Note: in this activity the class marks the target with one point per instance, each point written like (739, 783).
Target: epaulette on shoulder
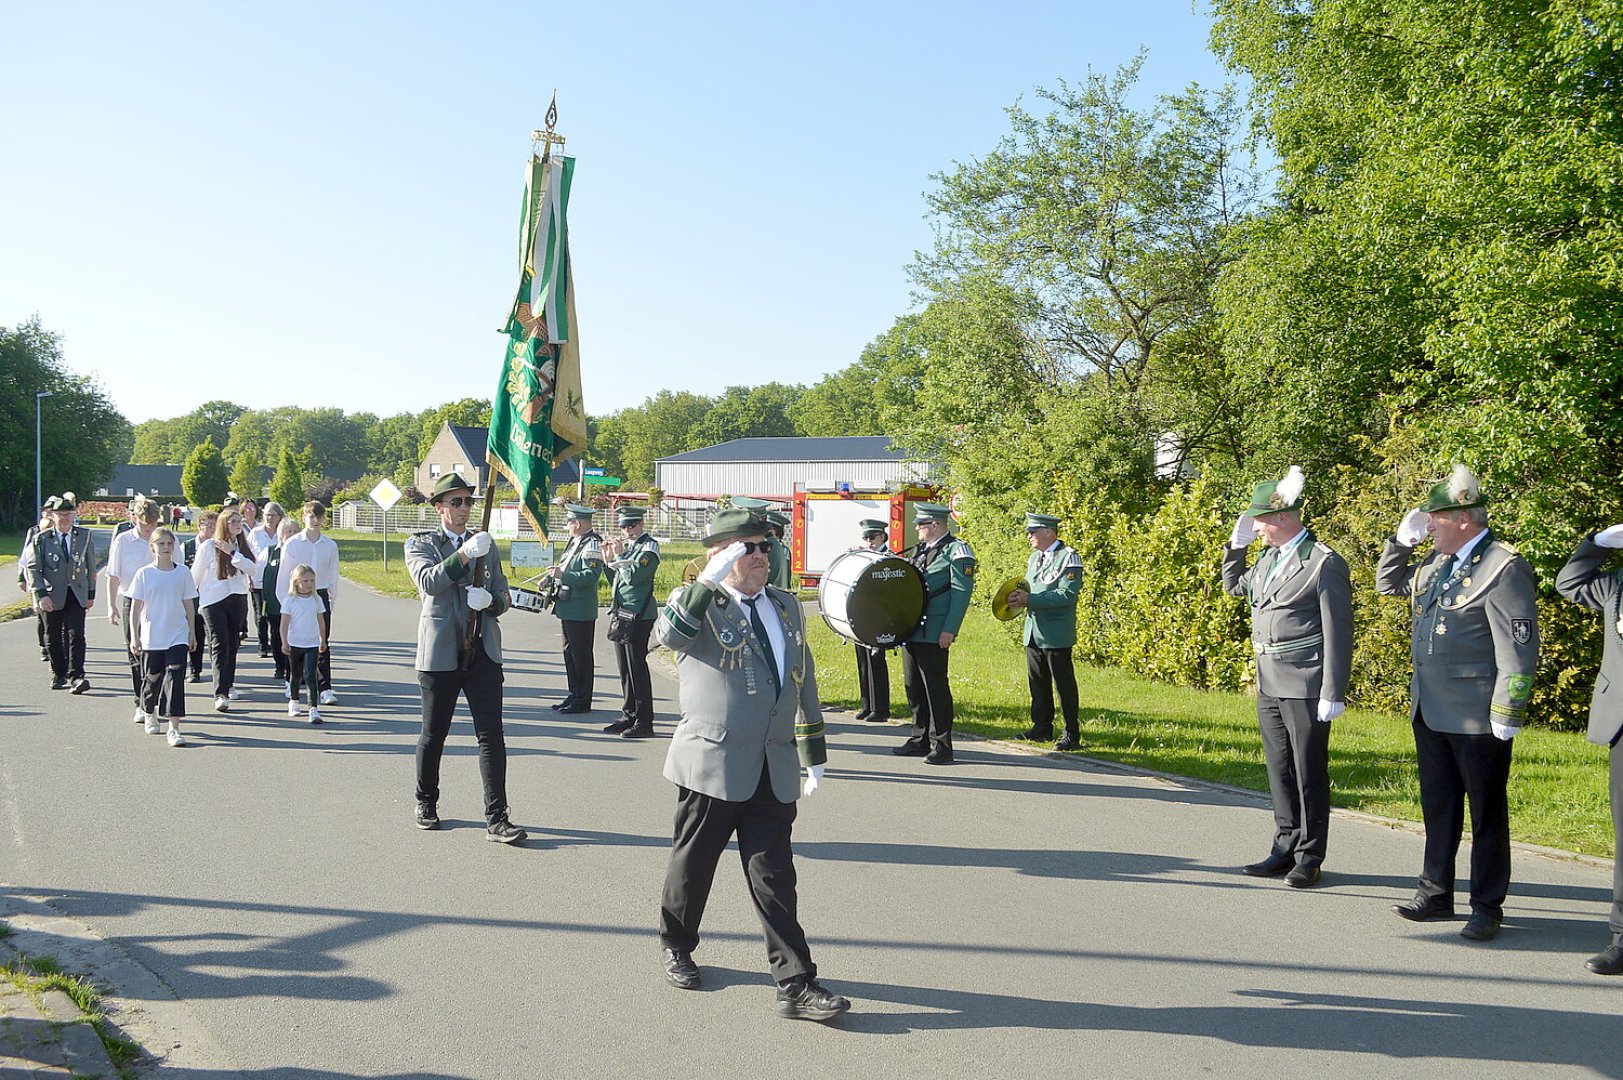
(425, 532)
(1509, 548)
(961, 550)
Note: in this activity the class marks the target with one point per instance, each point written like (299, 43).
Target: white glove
(814, 779)
(1245, 531)
(1413, 528)
(1329, 710)
(721, 562)
(478, 599)
(1610, 538)
(476, 545)
(1500, 731)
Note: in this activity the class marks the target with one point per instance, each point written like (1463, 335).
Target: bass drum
(871, 597)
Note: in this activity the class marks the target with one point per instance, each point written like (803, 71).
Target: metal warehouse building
(776, 468)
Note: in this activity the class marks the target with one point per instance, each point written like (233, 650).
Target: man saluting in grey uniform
(749, 700)
(1301, 632)
(1474, 647)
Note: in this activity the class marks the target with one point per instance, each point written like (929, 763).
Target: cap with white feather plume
(1280, 495)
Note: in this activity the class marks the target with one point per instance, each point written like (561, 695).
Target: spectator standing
(221, 571)
(162, 631)
(129, 551)
(320, 553)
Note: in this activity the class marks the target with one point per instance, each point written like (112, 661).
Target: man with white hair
(1474, 646)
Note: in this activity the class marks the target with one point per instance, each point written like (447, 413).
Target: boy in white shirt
(320, 553)
(160, 620)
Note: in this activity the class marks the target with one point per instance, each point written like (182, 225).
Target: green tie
(1444, 572)
(766, 642)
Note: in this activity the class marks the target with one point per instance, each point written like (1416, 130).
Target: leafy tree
(82, 436)
(865, 397)
(287, 484)
(747, 412)
(661, 426)
(248, 476)
(203, 480)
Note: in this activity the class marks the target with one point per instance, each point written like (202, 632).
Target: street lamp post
(39, 491)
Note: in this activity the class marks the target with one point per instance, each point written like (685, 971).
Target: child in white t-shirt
(163, 597)
(304, 637)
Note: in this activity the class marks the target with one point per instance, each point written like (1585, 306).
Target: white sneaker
(154, 725)
(232, 694)
(176, 738)
(315, 715)
(293, 708)
(221, 704)
(140, 716)
(329, 698)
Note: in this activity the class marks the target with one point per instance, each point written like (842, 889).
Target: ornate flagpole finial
(542, 140)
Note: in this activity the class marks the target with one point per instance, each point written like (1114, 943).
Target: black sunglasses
(456, 501)
(752, 546)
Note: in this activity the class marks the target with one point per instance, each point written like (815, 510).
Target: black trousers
(1046, 669)
(763, 826)
(1617, 837)
(579, 668)
(635, 686)
(163, 690)
(305, 669)
(929, 697)
(261, 623)
(1452, 769)
(65, 637)
(324, 661)
(1297, 749)
(39, 626)
(481, 685)
(873, 682)
(200, 632)
(138, 671)
(225, 619)
(273, 628)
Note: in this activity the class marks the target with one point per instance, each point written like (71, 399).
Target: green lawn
(1558, 789)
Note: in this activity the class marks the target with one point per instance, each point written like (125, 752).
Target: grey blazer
(1582, 582)
(732, 721)
(1474, 644)
(443, 579)
(50, 574)
(1301, 621)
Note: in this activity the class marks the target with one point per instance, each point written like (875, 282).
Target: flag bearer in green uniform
(948, 566)
(577, 571)
(1054, 580)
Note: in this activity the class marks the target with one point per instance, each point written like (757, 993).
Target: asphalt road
(1012, 915)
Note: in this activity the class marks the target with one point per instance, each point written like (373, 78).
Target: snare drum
(871, 597)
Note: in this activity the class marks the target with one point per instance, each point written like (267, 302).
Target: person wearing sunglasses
(750, 719)
(459, 651)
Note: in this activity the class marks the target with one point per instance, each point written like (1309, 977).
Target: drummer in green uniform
(873, 664)
(948, 567)
(1053, 582)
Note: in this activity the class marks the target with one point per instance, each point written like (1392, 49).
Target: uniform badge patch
(1521, 630)
(1519, 687)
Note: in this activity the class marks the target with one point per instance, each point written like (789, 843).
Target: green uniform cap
(1041, 521)
(578, 512)
(868, 525)
(448, 483)
(923, 512)
(729, 525)
(1279, 496)
(628, 514)
(745, 502)
(778, 518)
(1461, 491)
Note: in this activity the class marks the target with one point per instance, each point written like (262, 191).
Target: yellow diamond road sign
(385, 494)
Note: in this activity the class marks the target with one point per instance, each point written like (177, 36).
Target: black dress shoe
(1068, 741)
(1032, 734)
(804, 999)
(502, 831)
(877, 718)
(938, 756)
(618, 726)
(1424, 908)
(427, 817)
(1303, 877)
(680, 970)
(558, 705)
(1272, 866)
(1607, 961)
(574, 708)
(1480, 927)
(863, 715)
(638, 731)
(911, 749)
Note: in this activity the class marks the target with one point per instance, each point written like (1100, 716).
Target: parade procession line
(261, 899)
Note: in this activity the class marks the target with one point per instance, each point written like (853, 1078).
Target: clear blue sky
(315, 203)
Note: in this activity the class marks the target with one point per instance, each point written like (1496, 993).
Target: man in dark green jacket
(577, 572)
(948, 567)
(632, 563)
(1053, 582)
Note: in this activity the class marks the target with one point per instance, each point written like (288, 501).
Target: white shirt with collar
(773, 624)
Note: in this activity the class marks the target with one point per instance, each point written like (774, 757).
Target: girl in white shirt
(304, 636)
(221, 570)
(160, 624)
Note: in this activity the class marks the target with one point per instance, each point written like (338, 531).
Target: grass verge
(36, 975)
(1558, 783)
